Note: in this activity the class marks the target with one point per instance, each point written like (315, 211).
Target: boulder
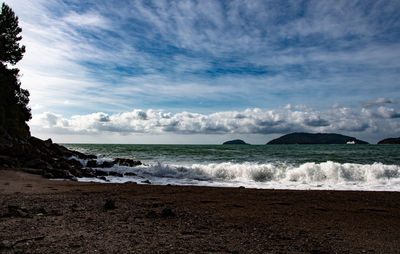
(106, 164)
(91, 164)
(75, 163)
(126, 162)
(130, 174)
(113, 173)
(100, 173)
(61, 173)
(87, 172)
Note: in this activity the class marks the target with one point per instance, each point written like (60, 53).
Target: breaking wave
(325, 175)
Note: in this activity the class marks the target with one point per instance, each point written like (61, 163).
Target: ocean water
(333, 167)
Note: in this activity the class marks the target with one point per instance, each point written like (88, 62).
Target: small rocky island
(390, 141)
(235, 142)
(315, 138)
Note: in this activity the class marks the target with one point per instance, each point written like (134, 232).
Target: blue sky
(207, 71)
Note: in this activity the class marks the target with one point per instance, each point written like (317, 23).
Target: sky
(203, 72)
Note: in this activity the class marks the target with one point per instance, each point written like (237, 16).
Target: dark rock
(130, 182)
(87, 156)
(75, 172)
(8, 161)
(242, 187)
(130, 174)
(390, 141)
(75, 163)
(48, 143)
(35, 171)
(127, 162)
(17, 211)
(51, 160)
(109, 205)
(103, 178)
(166, 212)
(235, 142)
(63, 174)
(94, 164)
(38, 163)
(106, 164)
(146, 181)
(48, 175)
(86, 172)
(41, 210)
(113, 173)
(91, 164)
(100, 173)
(317, 138)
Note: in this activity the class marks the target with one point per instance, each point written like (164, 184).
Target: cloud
(90, 19)
(249, 121)
(388, 112)
(379, 102)
(210, 56)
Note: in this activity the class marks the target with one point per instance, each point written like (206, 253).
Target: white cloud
(90, 19)
(249, 121)
(112, 57)
(388, 112)
(379, 102)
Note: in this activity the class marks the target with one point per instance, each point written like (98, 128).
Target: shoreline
(41, 215)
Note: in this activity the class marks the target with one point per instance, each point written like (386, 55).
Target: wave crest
(328, 175)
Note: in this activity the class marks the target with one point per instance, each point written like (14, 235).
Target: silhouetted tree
(14, 110)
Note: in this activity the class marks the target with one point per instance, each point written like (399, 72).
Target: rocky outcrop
(42, 157)
(235, 142)
(51, 160)
(390, 141)
(126, 162)
(317, 138)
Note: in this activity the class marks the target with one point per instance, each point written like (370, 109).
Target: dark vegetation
(14, 110)
(317, 138)
(390, 141)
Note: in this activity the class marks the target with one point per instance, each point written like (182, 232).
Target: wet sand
(48, 216)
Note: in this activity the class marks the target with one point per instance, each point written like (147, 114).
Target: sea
(300, 167)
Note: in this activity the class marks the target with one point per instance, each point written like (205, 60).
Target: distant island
(235, 142)
(392, 141)
(317, 138)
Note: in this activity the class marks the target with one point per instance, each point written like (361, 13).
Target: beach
(38, 215)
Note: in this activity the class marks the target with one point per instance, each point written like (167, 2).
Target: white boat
(351, 142)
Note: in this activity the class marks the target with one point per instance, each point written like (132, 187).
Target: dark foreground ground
(43, 216)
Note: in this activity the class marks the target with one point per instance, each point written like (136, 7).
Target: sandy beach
(50, 216)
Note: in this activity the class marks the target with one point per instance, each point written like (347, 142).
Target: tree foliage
(14, 110)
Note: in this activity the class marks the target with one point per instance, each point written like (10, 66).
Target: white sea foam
(326, 175)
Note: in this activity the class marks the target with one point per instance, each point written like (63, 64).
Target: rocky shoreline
(43, 157)
(42, 216)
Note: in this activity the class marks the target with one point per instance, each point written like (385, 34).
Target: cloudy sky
(207, 71)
